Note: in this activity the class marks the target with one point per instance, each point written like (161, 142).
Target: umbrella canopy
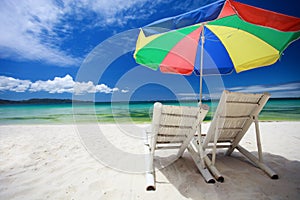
(216, 39)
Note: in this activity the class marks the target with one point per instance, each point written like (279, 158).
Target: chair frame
(215, 132)
(170, 125)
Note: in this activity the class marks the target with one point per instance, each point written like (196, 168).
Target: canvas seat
(232, 119)
(173, 127)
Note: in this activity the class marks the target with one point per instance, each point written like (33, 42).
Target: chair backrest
(234, 115)
(175, 124)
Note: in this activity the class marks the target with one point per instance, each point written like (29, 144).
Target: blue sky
(47, 47)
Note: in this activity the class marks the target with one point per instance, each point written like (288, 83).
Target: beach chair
(173, 127)
(233, 117)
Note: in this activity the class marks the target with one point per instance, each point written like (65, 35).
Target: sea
(124, 112)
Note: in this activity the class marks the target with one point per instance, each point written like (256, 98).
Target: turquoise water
(275, 110)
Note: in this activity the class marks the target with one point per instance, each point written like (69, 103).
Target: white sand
(50, 162)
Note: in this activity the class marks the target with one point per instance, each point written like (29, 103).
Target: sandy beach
(51, 162)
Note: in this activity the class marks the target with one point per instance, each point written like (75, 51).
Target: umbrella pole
(200, 150)
(201, 66)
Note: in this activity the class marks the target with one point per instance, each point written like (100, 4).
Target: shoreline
(120, 122)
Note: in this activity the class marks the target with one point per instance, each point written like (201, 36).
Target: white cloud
(57, 85)
(12, 84)
(89, 87)
(276, 91)
(36, 29)
(30, 32)
(124, 91)
(117, 12)
(280, 90)
(103, 88)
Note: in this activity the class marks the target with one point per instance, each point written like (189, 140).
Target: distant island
(42, 101)
(68, 101)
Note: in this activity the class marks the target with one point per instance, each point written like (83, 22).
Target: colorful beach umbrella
(216, 39)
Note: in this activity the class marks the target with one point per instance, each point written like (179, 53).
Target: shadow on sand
(242, 179)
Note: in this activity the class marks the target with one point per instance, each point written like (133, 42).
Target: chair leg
(258, 141)
(213, 169)
(149, 164)
(216, 135)
(150, 172)
(198, 161)
(256, 161)
(199, 144)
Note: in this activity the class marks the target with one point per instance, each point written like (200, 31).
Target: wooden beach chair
(233, 117)
(173, 127)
